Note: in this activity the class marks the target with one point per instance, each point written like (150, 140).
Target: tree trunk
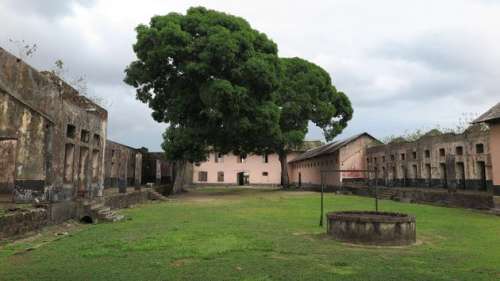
(180, 176)
(284, 169)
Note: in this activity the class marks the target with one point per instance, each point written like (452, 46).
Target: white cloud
(404, 64)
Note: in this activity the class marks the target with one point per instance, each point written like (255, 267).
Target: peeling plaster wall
(123, 165)
(35, 110)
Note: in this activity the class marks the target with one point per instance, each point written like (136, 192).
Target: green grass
(241, 234)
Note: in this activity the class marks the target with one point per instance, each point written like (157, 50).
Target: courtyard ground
(255, 234)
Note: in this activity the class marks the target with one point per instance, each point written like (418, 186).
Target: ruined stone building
(156, 168)
(445, 160)
(52, 139)
(337, 162)
(123, 166)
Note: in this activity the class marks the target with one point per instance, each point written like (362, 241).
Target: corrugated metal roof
(490, 115)
(328, 148)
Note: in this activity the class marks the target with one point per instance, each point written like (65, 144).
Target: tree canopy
(211, 77)
(220, 84)
(306, 94)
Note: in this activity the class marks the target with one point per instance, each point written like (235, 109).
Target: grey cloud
(49, 9)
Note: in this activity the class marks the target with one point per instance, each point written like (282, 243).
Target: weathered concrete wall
(123, 165)
(37, 109)
(20, 222)
(448, 160)
(156, 169)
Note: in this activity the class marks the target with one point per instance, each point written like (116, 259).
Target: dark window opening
(266, 158)
(427, 154)
(242, 158)
(85, 136)
(414, 154)
(403, 156)
(392, 157)
(383, 158)
(459, 150)
(97, 140)
(479, 148)
(265, 174)
(442, 152)
(71, 131)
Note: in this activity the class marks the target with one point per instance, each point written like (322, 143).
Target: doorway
(300, 180)
(444, 175)
(461, 175)
(243, 178)
(82, 171)
(481, 166)
(7, 164)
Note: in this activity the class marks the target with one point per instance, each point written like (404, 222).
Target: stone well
(374, 228)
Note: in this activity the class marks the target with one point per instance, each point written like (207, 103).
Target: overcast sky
(405, 65)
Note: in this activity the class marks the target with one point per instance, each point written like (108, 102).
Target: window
(442, 152)
(97, 140)
(220, 176)
(202, 176)
(427, 154)
(242, 158)
(403, 156)
(265, 174)
(392, 157)
(368, 160)
(266, 158)
(459, 150)
(383, 159)
(85, 136)
(414, 154)
(197, 164)
(218, 157)
(479, 148)
(71, 131)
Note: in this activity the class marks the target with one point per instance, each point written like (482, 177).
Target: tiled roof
(490, 115)
(328, 148)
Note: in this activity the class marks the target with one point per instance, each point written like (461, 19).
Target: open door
(7, 165)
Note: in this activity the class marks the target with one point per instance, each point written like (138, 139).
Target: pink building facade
(303, 167)
(347, 155)
(231, 169)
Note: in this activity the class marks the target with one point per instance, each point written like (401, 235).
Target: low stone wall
(375, 228)
(20, 222)
(125, 200)
(441, 197)
(23, 221)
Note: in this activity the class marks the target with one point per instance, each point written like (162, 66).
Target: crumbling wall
(450, 160)
(37, 108)
(123, 165)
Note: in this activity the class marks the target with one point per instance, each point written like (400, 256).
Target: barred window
(202, 176)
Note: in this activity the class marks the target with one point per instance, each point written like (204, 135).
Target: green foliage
(219, 83)
(211, 77)
(243, 234)
(307, 95)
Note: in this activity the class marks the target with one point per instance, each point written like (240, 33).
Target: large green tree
(212, 78)
(306, 95)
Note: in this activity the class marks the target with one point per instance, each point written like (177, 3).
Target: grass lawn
(244, 234)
